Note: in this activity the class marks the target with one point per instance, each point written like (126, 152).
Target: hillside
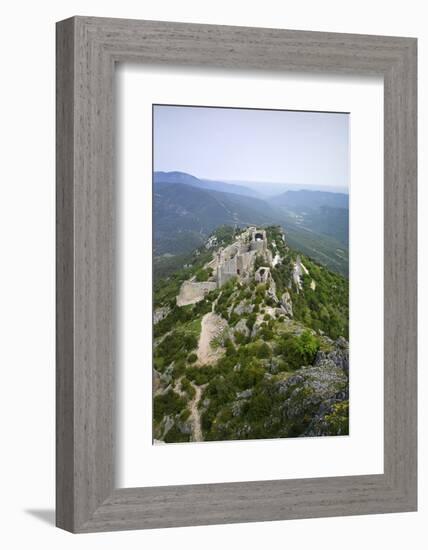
(186, 215)
(213, 185)
(321, 213)
(250, 341)
(302, 199)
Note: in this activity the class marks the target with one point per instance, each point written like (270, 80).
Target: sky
(305, 148)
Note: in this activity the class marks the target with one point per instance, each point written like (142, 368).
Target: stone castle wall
(226, 271)
(236, 260)
(246, 261)
(192, 292)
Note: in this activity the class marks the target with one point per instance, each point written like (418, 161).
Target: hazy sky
(253, 145)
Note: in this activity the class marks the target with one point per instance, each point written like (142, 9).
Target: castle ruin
(236, 260)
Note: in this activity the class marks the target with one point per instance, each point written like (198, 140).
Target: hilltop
(250, 341)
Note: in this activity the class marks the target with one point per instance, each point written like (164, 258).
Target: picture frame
(87, 50)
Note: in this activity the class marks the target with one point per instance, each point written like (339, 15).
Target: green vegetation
(175, 346)
(174, 435)
(203, 275)
(169, 403)
(316, 223)
(297, 350)
(324, 309)
(187, 387)
(266, 381)
(337, 420)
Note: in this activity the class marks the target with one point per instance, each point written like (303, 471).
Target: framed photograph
(237, 319)
(236, 274)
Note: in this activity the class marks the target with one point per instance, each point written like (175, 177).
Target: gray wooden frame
(87, 50)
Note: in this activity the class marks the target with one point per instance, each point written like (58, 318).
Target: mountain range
(187, 209)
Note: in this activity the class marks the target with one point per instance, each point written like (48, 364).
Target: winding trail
(212, 326)
(196, 416)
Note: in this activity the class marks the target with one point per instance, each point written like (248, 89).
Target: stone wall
(262, 275)
(236, 260)
(226, 271)
(258, 245)
(246, 262)
(192, 292)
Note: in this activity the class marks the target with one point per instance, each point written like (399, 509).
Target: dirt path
(195, 415)
(211, 327)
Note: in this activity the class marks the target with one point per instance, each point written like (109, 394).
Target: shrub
(251, 320)
(179, 368)
(176, 346)
(184, 415)
(203, 275)
(230, 348)
(240, 337)
(175, 436)
(337, 421)
(188, 388)
(266, 332)
(200, 375)
(233, 319)
(263, 351)
(169, 403)
(298, 350)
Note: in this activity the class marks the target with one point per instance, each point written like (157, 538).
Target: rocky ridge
(260, 352)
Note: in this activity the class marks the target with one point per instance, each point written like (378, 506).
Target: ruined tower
(258, 240)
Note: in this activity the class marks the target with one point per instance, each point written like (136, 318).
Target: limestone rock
(287, 304)
(160, 313)
(244, 394)
(311, 388)
(184, 427)
(339, 356)
(243, 308)
(241, 326)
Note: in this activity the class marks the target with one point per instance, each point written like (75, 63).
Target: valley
(187, 210)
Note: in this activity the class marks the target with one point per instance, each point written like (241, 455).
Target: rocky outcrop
(312, 391)
(243, 308)
(242, 328)
(298, 271)
(160, 313)
(287, 304)
(244, 394)
(338, 357)
(331, 419)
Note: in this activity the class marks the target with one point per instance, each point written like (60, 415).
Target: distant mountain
(162, 178)
(311, 199)
(272, 189)
(185, 215)
(175, 177)
(186, 212)
(318, 212)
